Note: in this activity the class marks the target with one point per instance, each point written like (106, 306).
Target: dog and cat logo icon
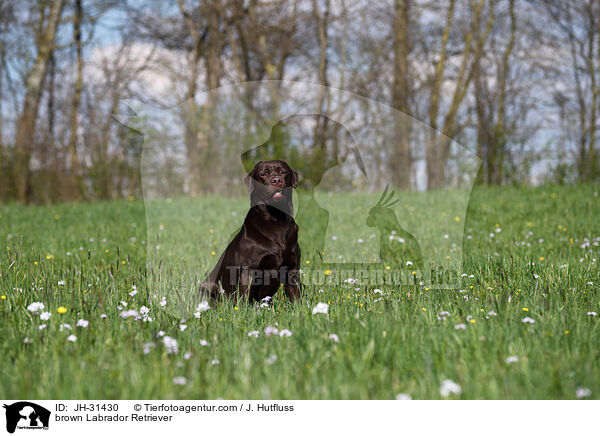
(26, 415)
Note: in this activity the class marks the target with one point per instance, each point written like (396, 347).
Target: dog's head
(271, 182)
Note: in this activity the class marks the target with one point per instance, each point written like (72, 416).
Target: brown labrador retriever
(265, 253)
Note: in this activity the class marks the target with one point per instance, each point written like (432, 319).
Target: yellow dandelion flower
(62, 309)
(542, 259)
(327, 272)
(3, 297)
(525, 309)
(307, 262)
(472, 321)
(235, 308)
(387, 267)
(424, 309)
(457, 218)
(566, 332)
(212, 253)
(56, 217)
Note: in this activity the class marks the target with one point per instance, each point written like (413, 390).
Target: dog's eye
(283, 173)
(264, 173)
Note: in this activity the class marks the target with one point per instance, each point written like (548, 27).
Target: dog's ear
(294, 178)
(249, 181)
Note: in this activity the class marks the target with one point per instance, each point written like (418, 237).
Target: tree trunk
(401, 160)
(74, 118)
(26, 124)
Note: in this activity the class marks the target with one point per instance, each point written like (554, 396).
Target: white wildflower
(83, 323)
(35, 307)
(582, 393)
(171, 345)
(321, 308)
(179, 380)
(449, 387)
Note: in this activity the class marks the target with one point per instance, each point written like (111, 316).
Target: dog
(265, 252)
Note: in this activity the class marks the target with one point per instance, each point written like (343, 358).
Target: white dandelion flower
(254, 333)
(215, 362)
(271, 359)
(204, 343)
(71, 338)
(512, 359)
(335, 338)
(35, 307)
(187, 355)
(582, 393)
(460, 327)
(171, 345)
(182, 327)
(403, 397)
(83, 323)
(285, 333)
(528, 320)
(321, 308)
(179, 380)
(130, 314)
(203, 306)
(42, 326)
(449, 387)
(65, 327)
(45, 316)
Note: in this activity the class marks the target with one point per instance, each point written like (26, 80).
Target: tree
(26, 124)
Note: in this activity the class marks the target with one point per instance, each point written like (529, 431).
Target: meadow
(523, 324)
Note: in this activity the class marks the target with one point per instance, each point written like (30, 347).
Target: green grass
(386, 347)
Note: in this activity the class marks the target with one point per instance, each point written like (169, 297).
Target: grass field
(522, 325)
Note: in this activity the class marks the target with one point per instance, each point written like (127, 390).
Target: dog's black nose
(277, 181)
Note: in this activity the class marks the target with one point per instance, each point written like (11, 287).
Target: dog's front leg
(292, 283)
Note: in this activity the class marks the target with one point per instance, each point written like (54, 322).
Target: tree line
(515, 81)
